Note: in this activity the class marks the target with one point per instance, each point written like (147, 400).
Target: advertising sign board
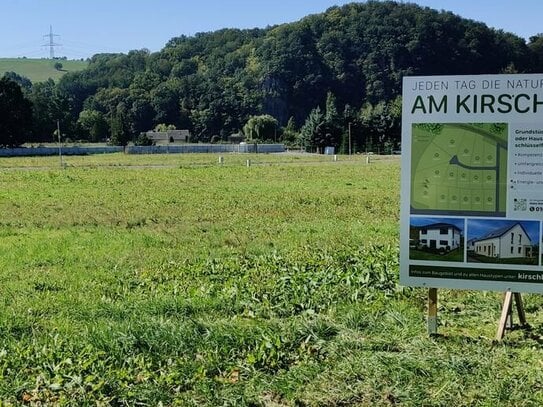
(472, 182)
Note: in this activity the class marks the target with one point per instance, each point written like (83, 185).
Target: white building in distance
(169, 136)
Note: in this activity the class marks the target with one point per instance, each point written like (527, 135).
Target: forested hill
(348, 61)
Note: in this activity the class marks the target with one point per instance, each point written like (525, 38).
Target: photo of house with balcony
(514, 242)
(436, 239)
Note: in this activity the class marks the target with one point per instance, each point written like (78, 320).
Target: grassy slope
(39, 70)
(215, 285)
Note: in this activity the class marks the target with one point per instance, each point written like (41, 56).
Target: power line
(52, 43)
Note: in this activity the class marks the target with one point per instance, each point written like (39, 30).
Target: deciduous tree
(15, 114)
(260, 128)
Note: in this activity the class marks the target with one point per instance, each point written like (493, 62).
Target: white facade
(512, 243)
(443, 236)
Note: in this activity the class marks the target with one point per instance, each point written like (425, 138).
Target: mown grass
(199, 284)
(454, 255)
(180, 160)
(514, 260)
(39, 70)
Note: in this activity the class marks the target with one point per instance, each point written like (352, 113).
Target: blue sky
(480, 227)
(423, 221)
(93, 26)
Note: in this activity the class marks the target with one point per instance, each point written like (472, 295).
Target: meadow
(39, 70)
(173, 280)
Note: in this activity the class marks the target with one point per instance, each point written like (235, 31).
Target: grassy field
(39, 70)
(534, 261)
(172, 280)
(454, 255)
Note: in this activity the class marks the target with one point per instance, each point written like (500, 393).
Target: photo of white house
(440, 236)
(436, 238)
(503, 241)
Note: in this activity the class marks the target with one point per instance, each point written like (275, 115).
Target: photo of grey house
(470, 245)
(501, 241)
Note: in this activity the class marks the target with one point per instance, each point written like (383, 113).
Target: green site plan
(459, 168)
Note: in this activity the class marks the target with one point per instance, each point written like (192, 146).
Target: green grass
(514, 260)
(39, 70)
(454, 255)
(203, 285)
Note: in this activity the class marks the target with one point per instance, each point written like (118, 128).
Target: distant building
(236, 138)
(505, 243)
(169, 137)
(440, 236)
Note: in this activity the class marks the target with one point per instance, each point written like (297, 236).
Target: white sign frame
(472, 164)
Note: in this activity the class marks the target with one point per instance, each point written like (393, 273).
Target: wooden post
(60, 145)
(506, 318)
(350, 143)
(506, 310)
(432, 311)
(520, 309)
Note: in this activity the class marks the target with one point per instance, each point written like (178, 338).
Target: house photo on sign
(472, 182)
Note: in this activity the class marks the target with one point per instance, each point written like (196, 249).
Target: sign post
(506, 318)
(432, 311)
(472, 186)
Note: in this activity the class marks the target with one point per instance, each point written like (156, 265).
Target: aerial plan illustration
(459, 168)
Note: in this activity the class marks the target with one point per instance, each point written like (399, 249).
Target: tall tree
(49, 105)
(15, 114)
(260, 128)
(22, 81)
(93, 122)
(290, 134)
(332, 121)
(120, 132)
(312, 132)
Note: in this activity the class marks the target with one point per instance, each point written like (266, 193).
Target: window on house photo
(423, 232)
(519, 250)
(519, 238)
(443, 231)
(443, 242)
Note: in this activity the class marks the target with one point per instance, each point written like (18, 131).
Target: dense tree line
(311, 81)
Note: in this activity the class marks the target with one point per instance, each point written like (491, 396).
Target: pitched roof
(502, 231)
(439, 226)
